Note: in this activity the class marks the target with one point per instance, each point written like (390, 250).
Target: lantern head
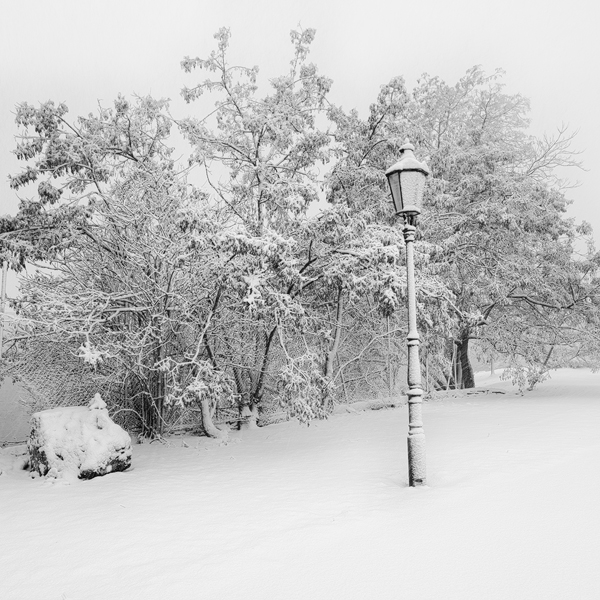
(407, 181)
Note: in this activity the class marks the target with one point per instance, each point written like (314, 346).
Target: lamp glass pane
(394, 181)
(413, 184)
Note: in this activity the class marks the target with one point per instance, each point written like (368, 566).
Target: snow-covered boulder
(78, 441)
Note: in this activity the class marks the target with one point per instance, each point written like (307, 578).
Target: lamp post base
(416, 460)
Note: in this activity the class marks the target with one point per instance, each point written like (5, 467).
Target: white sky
(79, 51)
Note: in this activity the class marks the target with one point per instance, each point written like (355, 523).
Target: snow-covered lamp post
(407, 182)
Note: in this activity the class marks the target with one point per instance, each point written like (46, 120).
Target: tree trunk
(466, 377)
(152, 404)
(208, 425)
(452, 377)
(342, 379)
(331, 355)
(249, 417)
(458, 379)
(160, 404)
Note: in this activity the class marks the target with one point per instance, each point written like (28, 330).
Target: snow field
(289, 512)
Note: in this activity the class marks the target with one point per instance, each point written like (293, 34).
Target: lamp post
(407, 182)
(3, 303)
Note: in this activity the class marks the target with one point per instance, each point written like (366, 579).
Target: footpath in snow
(289, 512)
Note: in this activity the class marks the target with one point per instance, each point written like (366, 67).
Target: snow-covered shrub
(526, 377)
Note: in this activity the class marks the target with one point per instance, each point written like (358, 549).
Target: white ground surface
(512, 510)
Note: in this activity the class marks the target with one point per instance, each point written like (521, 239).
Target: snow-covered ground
(512, 510)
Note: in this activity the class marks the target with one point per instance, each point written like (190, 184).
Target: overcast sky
(79, 52)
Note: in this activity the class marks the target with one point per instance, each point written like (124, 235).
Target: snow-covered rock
(78, 441)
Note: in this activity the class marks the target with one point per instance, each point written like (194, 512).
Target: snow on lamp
(407, 181)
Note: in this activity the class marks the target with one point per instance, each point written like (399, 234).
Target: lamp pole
(416, 433)
(3, 303)
(407, 181)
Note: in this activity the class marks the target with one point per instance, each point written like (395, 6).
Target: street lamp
(407, 182)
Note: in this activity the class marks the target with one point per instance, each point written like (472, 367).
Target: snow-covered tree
(122, 283)
(494, 211)
(231, 291)
(269, 147)
(494, 217)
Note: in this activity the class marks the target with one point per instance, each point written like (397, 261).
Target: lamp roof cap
(408, 161)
